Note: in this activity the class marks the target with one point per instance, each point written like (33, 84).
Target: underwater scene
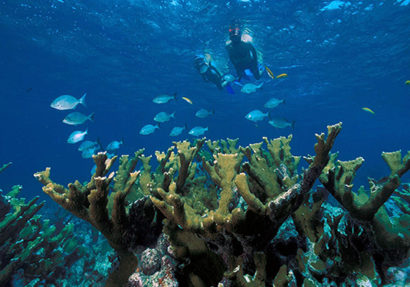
(204, 143)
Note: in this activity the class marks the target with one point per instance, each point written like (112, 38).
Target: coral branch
(90, 202)
(339, 178)
(186, 155)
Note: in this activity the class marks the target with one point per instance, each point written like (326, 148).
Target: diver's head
(235, 33)
(200, 64)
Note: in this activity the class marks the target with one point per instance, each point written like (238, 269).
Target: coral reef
(365, 240)
(156, 267)
(31, 244)
(233, 236)
(107, 212)
(244, 216)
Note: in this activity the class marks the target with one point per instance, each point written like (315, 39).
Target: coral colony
(210, 213)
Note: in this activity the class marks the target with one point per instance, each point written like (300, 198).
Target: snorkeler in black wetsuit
(242, 54)
(208, 72)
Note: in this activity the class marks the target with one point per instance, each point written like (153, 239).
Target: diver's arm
(239, 73)
(254, 54)
(237, 66)
(214, 76)
(235, 62)
(254, 65)
(212, 67)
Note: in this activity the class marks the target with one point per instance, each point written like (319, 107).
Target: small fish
(273, 103)
(368, 110)
(197, 131)
(87, 145)
(187, 100)
(269, 72)
(114, 145)
(228, 78)
(407, 82)
(88, 153)
(162, 99)
(163, 117)
(148, 129)
(281, 76)
(250, 88)
(256, 116)
(203, 113)
(77, 118)
(76, 136)
(226, 81)
(281, 123)
(67, 102)
(176, 131)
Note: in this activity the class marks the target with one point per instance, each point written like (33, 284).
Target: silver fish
(67, 102)
(250, 88)
(281, 123)
(163, 117)
(273, 103)
(114, 145)
(88, 153)
(197, 131)
(87, 145)
(76, 136)
(202, 113)
(162, 99)
(256, 115)
(228, 78)
(77, 118)
(148, 129)
(176, 131)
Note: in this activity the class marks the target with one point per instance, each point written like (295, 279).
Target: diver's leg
(255, 71)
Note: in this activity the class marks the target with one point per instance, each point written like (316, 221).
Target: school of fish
(88, 148)
(257, 115)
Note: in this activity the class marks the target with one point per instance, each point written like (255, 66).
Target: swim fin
(230, 89)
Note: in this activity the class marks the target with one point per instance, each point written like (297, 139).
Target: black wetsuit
(211, 74)
(243, 56)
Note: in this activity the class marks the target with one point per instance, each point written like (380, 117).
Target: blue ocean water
(339, 57)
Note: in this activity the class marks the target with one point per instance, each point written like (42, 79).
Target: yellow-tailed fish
(407, 82)
(281, 76)
(187, 100)
(368, 110)
(269, 72)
